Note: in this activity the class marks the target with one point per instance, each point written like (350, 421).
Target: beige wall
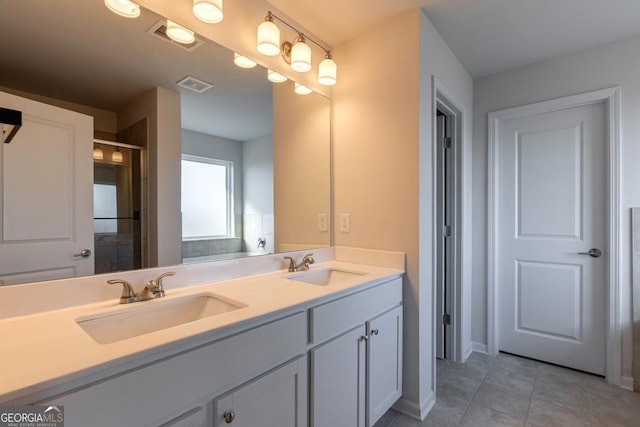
(301, 165)
(103, 120)
(383, 170)
(375, 144)
(161, 108)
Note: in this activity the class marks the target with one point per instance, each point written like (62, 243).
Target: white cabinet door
(338, 381)
(46, 188)
(384, 363)
(277, 399)
(193, 418)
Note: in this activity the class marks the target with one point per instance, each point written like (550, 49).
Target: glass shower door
(117, 209)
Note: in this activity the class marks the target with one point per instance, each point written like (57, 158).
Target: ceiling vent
(193, 84)
(159, 29)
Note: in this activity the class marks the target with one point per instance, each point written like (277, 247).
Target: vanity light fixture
(302, 90)
(125, 8)
(179, 33)
(275, 77)
(268, 37)
(243, 61)
(209, 11)
(98, 154)
(301, 55)
(116, 156)
(296, 54)
(327, 71)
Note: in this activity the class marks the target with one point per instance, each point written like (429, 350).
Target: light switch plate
(345, 222)
(323, 222)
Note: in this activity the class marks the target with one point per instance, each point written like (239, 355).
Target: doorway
(448, 229)
(118, 207)
(546, 168)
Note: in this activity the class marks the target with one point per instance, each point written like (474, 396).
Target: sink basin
(150, 316)
(325, 277)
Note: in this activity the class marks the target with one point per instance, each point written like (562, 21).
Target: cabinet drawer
(338, 316)
(149, 394)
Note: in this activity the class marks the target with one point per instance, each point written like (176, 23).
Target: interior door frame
(611, 98)
(444, 101)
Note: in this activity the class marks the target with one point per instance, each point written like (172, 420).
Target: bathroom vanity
(321, 347)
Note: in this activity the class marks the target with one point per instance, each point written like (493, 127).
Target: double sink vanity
(241, 342)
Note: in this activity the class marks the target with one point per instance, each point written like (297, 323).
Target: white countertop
(48, 353)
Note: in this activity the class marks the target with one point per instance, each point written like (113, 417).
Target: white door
(278, 399)
(384, 363)
(551, 207)
(47, 194)
(338, 381)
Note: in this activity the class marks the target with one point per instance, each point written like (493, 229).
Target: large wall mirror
(169, 152)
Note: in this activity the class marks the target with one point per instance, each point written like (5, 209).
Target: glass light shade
(116, 156)
(209, 11)
(327, 72)
(179, 33)
(98, 154)
(268, 39)
(243, 61)
(302, 90)
(125, 8)
(275, 77)
(301, 57)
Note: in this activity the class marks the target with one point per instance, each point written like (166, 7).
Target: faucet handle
(128, 294)
(155, 286)
(307, 260)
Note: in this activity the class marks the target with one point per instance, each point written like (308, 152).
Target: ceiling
(78, 51)
(487, 36)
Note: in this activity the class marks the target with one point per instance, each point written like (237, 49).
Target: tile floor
(511, 391)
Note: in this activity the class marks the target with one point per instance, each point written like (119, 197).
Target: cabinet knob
(374, 332)
(364, 338)
(229, 416)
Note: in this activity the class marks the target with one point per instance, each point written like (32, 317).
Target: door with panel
(277, 399)
(552, 236)
(46, 207)
(338, 381)
(384, 363)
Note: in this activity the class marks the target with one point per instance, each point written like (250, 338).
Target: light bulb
(275, 77)
(116, 156)
(327, 72)
(302, 90)
(209, 11)
(301, 56)
(98, 154)
(243, 61)
(179, 33)
(268, 42)
(125, 8)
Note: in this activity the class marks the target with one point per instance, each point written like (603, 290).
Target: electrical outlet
(345, 222)
(323, 222)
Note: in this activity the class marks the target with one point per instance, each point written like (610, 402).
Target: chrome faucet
(304, 264)
(153, 289)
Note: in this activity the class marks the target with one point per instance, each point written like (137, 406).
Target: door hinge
(446, 319)
(446, 231)
(446, 142)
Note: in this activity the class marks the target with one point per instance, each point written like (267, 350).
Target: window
(105, 208)
(207, 198)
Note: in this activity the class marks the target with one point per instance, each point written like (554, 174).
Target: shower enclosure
(118, 207)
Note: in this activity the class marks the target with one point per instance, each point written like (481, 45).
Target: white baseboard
(626, 382)
(413, 410)
(479, 347)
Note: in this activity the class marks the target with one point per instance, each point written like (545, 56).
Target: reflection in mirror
(124, 75)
